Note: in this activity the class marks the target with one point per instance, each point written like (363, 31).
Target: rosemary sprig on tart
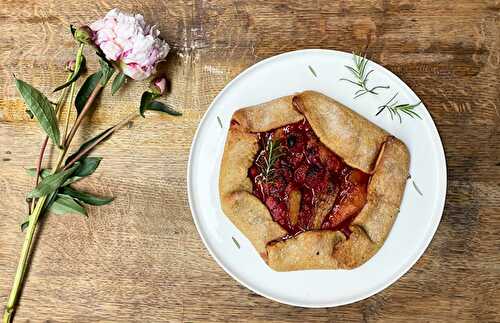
(267, 158)
(395, 109)
(361, 76)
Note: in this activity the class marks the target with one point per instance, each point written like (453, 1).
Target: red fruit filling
(304, 185)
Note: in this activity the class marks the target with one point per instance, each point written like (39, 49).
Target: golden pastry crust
(345, 132)
(360, 143)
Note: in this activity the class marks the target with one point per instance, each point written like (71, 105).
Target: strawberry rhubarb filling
(304, 185)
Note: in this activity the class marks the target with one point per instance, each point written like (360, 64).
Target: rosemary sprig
(395, 109)
(312, 71)
(236, 243)
(417, 189)
(361, 76)
(267, 158)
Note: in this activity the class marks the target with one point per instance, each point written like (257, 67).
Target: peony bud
(70, 65)
(158, 85)
(83, 34)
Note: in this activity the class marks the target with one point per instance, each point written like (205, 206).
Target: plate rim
(430, 235)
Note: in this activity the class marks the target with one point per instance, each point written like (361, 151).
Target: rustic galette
(312, 184)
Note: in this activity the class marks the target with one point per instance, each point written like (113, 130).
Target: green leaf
(52, 182)
(64, 204)
(43, 172)
(148, 103)
(86, 90)
(107, 71)
(118, 82)
(146, 98)
(71, 180)
(88, 165)
(87, 197)
(80, 64)
(40, 106)
(89, 142)
(160, 106)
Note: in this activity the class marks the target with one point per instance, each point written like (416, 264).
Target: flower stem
(23, 262)
(25, 251)
(68, 113)
(103, 137)
(33, 221)
(82, 114)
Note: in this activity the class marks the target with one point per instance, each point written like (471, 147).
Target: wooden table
(141, 259)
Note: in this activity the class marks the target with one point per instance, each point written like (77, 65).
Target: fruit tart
(311, 183)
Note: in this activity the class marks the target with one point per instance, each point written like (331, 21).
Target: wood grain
(140, 258)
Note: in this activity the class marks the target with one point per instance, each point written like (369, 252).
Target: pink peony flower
(127, 40)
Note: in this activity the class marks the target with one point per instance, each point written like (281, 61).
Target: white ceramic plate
(415, 225)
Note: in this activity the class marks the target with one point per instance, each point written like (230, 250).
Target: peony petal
(105, 34)
(113, 13)
(135, 72)
(112, 50)
(97, 25)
